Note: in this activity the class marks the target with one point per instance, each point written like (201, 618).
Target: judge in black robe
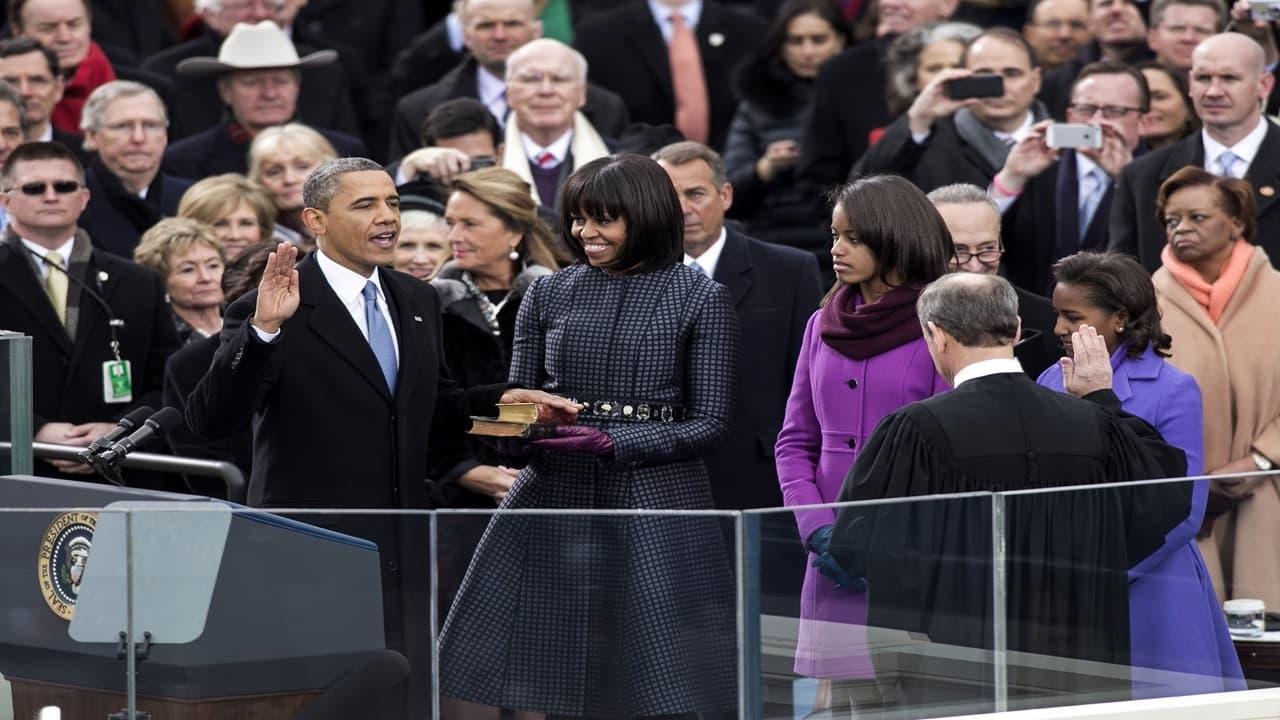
(927, 565)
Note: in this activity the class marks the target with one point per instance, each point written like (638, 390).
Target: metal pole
(20, 409)
(1000, 611)
(750, 673)
(131, 658)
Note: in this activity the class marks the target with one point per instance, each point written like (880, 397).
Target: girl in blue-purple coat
(1175, 623)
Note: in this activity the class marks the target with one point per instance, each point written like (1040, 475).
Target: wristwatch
(1262, 461)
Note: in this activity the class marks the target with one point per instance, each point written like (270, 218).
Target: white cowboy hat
(255, 47)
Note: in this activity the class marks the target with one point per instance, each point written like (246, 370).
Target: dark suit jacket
(1038, 348)
(325, 100)
(943, 158)
(112, 227)
(774, 290)
(214, 151)
(74, 143)
(605, 110)
(327, 433)
(67, 372)
(181, 375)
(1134, 228)
(643, 79)
(137, 26)
(1042, 225)
(848, 104)
(426, 60)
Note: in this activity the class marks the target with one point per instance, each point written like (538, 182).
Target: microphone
(127, 423)
(162, 422)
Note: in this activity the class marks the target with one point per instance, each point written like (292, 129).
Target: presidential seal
(64, 552)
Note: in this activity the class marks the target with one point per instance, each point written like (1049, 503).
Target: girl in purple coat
(1175, 623)
(863, 356)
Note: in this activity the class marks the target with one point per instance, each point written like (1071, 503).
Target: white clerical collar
(1246, 149)
(690, 11)
(346, 283)
(559, 148)
(709, 259)
(983, 368)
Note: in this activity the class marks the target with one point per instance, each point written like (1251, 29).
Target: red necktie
(545, 160)
(692, 111)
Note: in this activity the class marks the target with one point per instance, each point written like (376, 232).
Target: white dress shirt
(983, 368)
(690, 11)
(709, 259)
(1245, 150)
(493, 93)
(348, 285)
(559, 148)
(40, 251)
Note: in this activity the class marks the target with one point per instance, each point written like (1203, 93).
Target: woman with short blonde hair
(188, 254)
(280, 158)
(239, 210)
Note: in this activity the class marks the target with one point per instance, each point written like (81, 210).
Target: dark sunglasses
(62, 187)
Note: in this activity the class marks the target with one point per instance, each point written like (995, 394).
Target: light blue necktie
(1227, 163)
(384, 347)
(694, 266)
(1089, 203)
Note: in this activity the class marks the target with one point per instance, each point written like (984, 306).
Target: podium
(249, 615)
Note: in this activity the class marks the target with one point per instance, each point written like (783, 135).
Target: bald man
(1229, 85)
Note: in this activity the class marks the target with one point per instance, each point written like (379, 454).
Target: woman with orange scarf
(1220, 295)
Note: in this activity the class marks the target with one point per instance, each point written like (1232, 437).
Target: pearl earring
(1120, 330)
(513, 255)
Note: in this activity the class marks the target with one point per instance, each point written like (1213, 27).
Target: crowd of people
(741, 254)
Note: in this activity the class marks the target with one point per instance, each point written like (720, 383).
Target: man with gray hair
(546, 137)
(974, 222)
(1067, 554)
(338, 367)
(125, 126)
(491, 31)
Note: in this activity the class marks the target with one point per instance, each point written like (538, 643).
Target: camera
(1069, 135)
(976, 86)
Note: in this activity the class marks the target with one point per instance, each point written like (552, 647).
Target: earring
(166, 299)
(513, 255)
(1120, 330)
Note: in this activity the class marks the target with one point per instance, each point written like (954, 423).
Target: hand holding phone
(1061, 136)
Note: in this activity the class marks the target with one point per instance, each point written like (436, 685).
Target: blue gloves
(819, 544)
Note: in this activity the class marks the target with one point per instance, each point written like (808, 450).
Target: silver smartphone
(1070, 135)
(1266, 10)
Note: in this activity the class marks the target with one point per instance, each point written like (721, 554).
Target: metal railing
(227, 472)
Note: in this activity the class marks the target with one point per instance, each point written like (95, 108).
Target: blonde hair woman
(280, 159)
(239, 210)
(191, 259)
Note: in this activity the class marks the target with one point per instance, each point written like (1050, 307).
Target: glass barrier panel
(895, 619)
(587, 613)
(1115, 592)
(61, 602)
(15, 404)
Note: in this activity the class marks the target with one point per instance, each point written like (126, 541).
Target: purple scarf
(860, 330)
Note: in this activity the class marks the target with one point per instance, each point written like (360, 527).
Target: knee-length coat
(835, 404)
(610, 616)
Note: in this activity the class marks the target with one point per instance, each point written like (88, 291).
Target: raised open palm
(278, 291)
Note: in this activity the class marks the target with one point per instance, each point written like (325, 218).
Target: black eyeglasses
(62, 187)
(1110, 112)
(986, 257)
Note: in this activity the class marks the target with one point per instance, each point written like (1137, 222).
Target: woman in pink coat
(863, 356)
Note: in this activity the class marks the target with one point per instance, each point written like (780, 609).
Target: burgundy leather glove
(577, 439)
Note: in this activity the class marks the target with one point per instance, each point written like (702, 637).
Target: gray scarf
(983, 140)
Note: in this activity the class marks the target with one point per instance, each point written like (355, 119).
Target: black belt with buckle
(629, 411)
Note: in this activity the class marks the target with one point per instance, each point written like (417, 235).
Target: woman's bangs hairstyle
(638, 191)
(900, 227)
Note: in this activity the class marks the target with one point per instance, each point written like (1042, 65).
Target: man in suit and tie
(337, 364)
(680, 56)
(492, 31)
(1229, 84)
(64, 293)
(1056, 203)
(774, 290)
(939, 140)
(1119, 34)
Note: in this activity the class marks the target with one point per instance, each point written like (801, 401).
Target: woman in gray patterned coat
(610, 616)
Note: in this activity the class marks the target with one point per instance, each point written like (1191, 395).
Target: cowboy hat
(255, 47)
